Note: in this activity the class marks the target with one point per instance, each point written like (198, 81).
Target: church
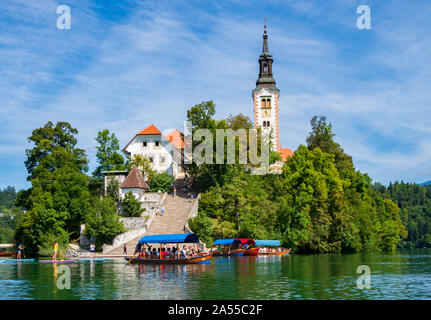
(265, 98)
(161, 150)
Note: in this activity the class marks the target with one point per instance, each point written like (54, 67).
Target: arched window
(263, 103)
(268, 103)
(268, 124)
(265, 67)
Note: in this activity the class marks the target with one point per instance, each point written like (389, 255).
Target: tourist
(92, 249)
(154, 253)
(20, 251)
(148, 252)
(158, 252)
(184, 252)
(124, 249)
(175, 192)
(54, 256)
(163, 211)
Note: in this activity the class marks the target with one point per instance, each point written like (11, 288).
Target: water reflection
(403, 275)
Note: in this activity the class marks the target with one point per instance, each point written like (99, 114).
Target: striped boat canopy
(170, 238)
(227, 241)
(268, 243)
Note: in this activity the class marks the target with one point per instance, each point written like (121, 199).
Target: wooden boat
(249, 244)
(234, 248)
(227, 248)
(5, 250)
(273, 244)
(199, 258)
(6, 254)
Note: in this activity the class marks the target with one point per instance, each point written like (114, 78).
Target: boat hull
(231, 253)
(6, 254)
(280, 253)
(202, 259)
(251, 252)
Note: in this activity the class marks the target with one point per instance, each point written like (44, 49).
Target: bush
(160, 181)
(102, 222)
(131, 206)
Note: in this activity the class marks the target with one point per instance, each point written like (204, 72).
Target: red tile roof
(176, 138)
(285, 154)
(151, 129)
(134, 180)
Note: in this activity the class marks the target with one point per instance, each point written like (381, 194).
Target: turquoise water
(402, 275)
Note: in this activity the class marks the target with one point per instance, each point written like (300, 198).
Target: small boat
(250, 249)
(93, 259)
(227, 248)
(273, 251)
(200, 258)
(19, 260)
(56, 261)
(5, 250)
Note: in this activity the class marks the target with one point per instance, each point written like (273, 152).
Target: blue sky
(126, 64)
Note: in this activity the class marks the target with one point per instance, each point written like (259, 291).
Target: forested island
(318, 203)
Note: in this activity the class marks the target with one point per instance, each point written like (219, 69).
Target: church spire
(265, 65)
(265, 41)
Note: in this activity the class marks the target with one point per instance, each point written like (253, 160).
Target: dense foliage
(131, 206)
(414, 202)
(319, 203)
(102, 221)
(160, 181)
(9, 215)
(59, 198)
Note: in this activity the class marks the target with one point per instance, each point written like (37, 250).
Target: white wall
(164, 150)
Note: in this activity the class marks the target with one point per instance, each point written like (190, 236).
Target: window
(151, 159)
(265, 67)
(162, 159)
(144, 143)
(268, 103)
(157, 143)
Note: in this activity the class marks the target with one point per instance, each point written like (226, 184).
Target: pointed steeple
(266, 78)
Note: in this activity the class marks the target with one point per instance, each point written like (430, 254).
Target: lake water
(405, 274)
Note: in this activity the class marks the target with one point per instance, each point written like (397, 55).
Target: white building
(165, 152)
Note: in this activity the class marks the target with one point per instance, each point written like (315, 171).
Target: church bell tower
(265, 97)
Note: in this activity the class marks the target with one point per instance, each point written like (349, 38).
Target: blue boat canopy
(267, 243)
(227, 241)
(170, 238)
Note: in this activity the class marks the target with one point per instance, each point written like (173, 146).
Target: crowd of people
(165, 252)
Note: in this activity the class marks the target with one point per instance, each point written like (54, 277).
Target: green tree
(58, 198)
(131, 206)
(143, 164)
(108, 158)
(160, 181)
(102, 221)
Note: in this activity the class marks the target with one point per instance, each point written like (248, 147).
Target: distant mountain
(425, 183)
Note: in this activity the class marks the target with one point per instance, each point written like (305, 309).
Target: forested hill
(7, 197)
(9, 215)
(319, 203)
(414, 200)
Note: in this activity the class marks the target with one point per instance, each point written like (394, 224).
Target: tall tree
(58, 198)
(107, 154)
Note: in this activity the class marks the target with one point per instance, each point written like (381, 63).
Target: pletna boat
(250, 248)
(177, 258)
(227, 248)
(271, 248)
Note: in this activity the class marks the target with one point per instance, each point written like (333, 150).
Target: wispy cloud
(124, 66)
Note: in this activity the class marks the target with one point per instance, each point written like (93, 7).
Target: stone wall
(193, 213)
(133, 222)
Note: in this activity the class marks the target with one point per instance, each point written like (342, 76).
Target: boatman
(138, 248)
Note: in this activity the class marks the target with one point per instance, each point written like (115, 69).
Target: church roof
(285, 154)
(134, 180)
(151, 129)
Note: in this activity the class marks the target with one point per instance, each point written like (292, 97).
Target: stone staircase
(176, 213)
